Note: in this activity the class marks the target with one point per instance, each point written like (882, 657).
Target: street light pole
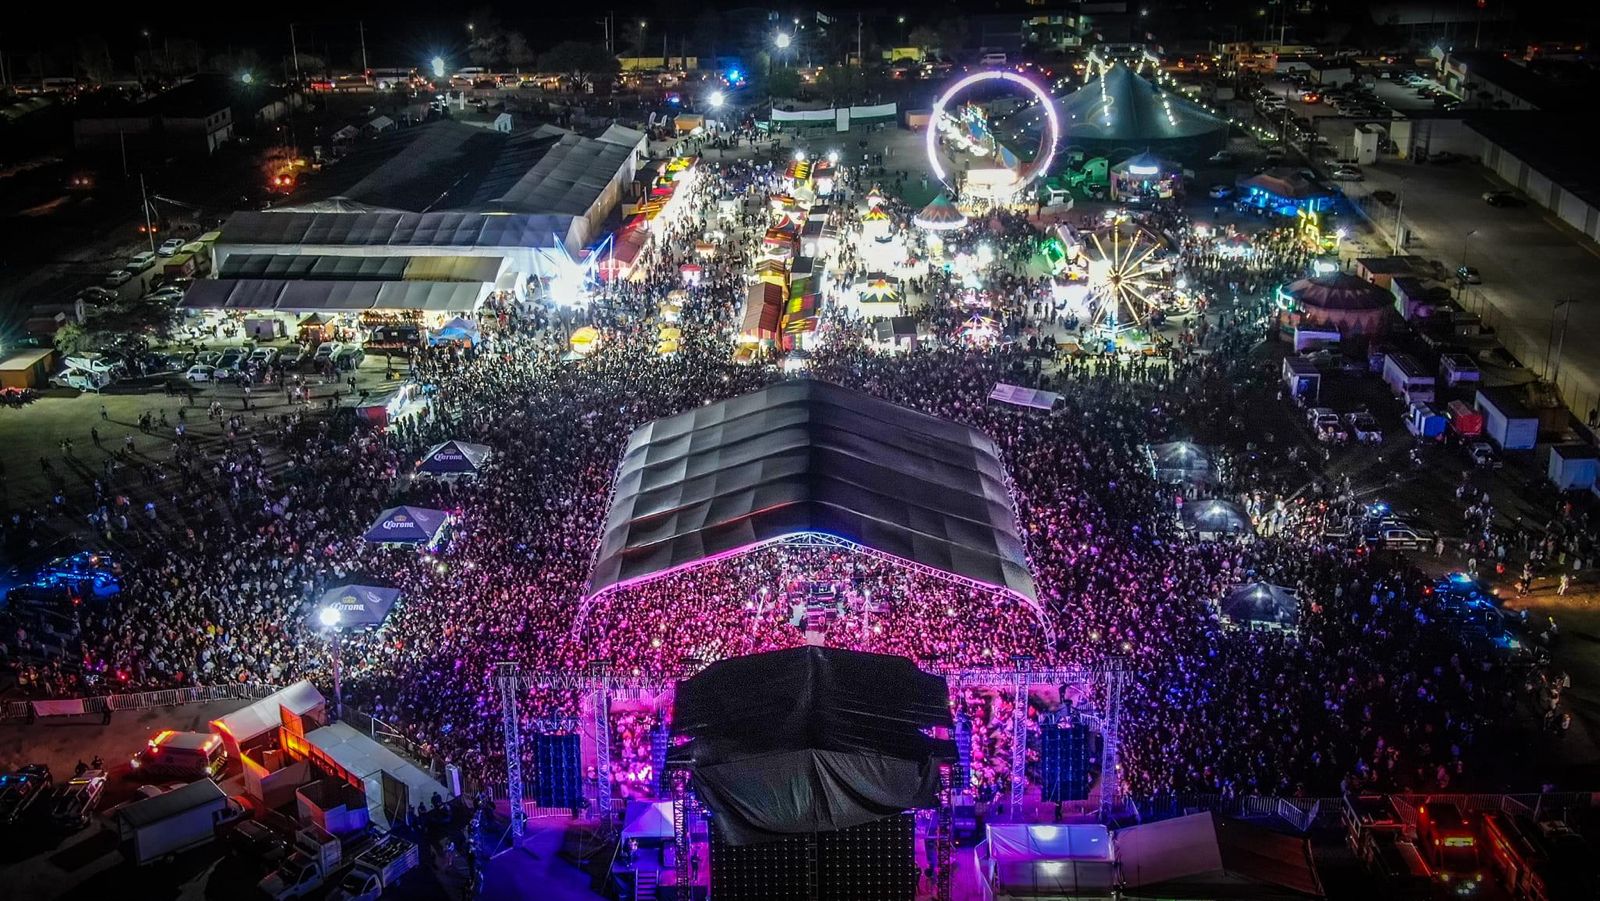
(1561, 340)
(330, 619)
(1461, 276)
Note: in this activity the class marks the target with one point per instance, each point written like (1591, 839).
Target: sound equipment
(1063, 761)
(557, 771)
(871, 862)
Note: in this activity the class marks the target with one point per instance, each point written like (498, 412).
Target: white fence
(144, 700)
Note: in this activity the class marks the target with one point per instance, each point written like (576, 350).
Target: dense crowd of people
(245, 530)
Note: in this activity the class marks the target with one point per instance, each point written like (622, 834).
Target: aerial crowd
(238, 527)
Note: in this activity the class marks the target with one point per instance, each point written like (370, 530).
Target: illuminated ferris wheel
(1124, 276)
(971, 127)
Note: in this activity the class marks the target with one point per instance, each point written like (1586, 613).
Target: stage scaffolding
(601, 683)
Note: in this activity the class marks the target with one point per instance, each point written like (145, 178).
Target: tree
(783, 82)
(580, 59)
(924, 38)
(518, 54)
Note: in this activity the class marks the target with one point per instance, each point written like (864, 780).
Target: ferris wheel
(1124, 276)
(1049, 135)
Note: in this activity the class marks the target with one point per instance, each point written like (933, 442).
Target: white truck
(377, 870)
(173, 822)
(317, 858)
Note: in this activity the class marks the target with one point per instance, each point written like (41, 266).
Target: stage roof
(809, 458)
(363, 268)
(810, 739)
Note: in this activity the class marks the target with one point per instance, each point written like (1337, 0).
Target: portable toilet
(1572, 466)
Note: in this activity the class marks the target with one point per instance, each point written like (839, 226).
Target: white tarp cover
(331, 296)
(371, 762)
(264, 716)
(1039, 860)
(1018, 396)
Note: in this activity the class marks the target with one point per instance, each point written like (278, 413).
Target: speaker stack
(558, 771)
(1064, 761)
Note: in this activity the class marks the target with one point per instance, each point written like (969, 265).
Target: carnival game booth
(392, 407)
(1145, 178)
(1023, 860)
(940, 215)
(417, 526)
(1286, 192)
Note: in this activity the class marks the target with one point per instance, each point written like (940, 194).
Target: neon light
(1040, 166)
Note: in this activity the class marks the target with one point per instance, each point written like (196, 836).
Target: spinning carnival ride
(1125, 277)
(967, 127)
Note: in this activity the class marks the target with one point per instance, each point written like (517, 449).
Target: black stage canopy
(810, 739)
(807, 458)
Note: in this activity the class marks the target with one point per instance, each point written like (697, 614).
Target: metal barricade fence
(146, 700)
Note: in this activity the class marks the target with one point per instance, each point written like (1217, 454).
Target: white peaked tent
(1023, 860)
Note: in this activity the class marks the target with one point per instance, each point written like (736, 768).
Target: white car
(1346, 173)
(199, 372)
(170, 247)
(118, 277)
(139, 262)
(264, 355)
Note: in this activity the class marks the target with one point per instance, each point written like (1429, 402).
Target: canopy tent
(1216, 517)
(1021, 860)
(1204, 855)
(1262, 602)
(407, 525)
(454, 458)
(457, 329)
(806, 457)
(329, 296)
(648, 820)
(1018, 396)
(1178, 462)
(359, 605)
(940, 215)
(810, 739)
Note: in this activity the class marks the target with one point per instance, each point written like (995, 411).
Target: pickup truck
(73, 804)
(19, 791)
(377, 870)
(317, 858)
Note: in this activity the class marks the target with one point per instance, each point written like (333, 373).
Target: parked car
(291, 356)
(348, 357)
(326, 350)
(1221, 156)
(96, 294)
(209, 357)
(1364, 427)
(1397, 535)
(264, 355)
(1501, 198)
(1384, 197)
(1346, 173)
(72, 805)
(139, 262)
(169, 247)
(118, 277)
(200, 372)
(1483, 455)
(1468, 276)
(258, 842)
(19, 791)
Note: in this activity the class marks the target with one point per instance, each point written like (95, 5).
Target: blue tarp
(407, 525)
(457, 329)
(454, 458)
(359, 605)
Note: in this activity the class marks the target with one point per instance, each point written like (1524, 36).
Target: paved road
(1527, 259)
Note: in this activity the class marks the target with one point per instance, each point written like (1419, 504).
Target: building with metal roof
(1120, 113)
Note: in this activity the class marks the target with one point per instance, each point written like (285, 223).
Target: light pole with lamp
(1461, 271)
(330, 620)
(1552, 369)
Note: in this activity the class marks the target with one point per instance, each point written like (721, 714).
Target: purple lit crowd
(249, 524)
